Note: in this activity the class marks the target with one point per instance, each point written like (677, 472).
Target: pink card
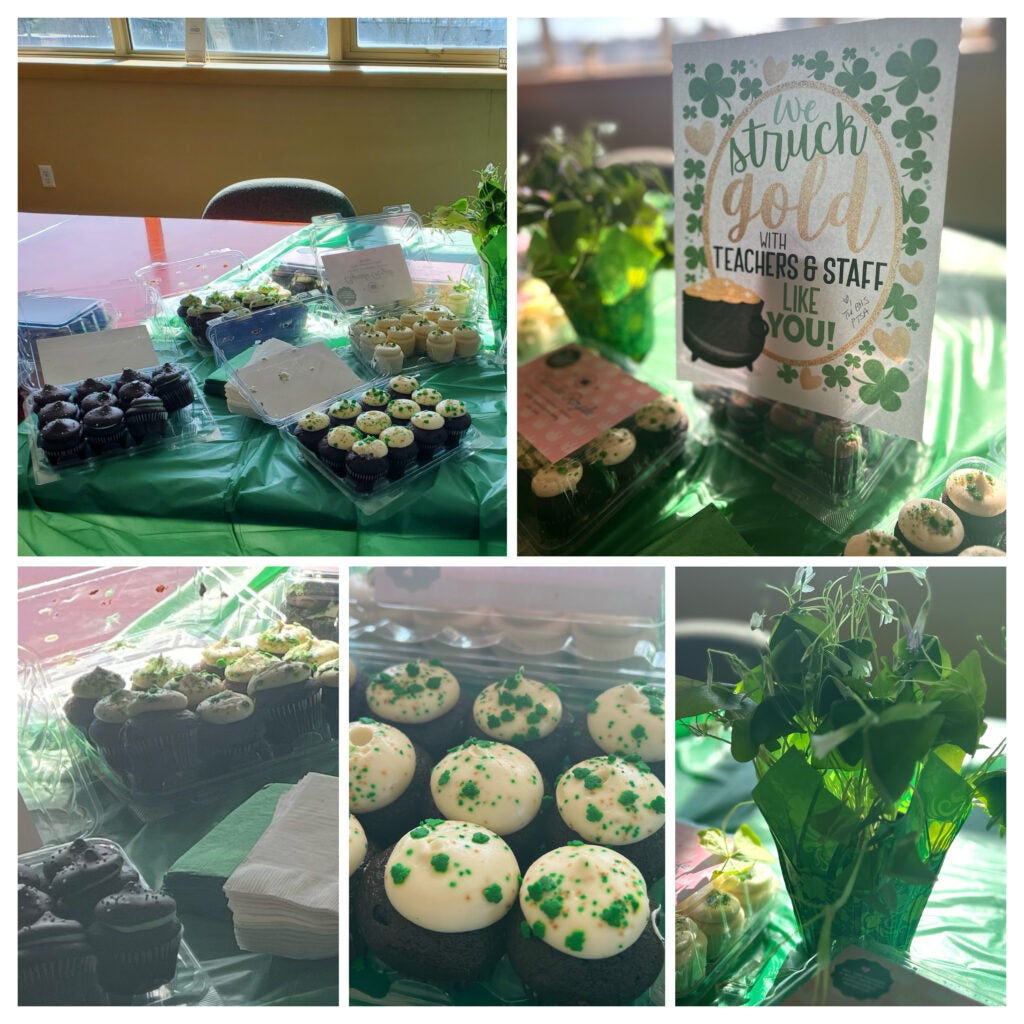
(569, 396)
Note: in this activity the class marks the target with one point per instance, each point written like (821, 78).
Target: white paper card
(283, 383)
(369, 277)
(810, 179)
(66, 358)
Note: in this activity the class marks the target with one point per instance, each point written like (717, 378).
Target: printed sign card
(568, 397)
(810, 181)
(369, 277)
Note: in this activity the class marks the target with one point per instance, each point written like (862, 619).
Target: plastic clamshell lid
(65, 358)
(286, 383)
(179, 277)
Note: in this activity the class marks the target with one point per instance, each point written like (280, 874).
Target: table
(965, 412)
(245, 494)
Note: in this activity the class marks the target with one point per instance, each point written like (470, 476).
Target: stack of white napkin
(284, 896)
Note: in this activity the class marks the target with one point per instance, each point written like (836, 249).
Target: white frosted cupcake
(388, 357)
(440, 346)
(467, 341)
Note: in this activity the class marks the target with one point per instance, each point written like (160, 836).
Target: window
(423, 41)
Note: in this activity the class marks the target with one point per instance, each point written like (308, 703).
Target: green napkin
(196, 879)
(706, 533)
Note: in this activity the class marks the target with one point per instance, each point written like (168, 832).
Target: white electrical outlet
(46, 176)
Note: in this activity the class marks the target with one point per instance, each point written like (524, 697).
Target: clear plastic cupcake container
(191, 425)
(190, 982)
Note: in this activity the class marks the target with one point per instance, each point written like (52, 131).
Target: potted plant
(484, 215)
(596, 236)
(867, 760)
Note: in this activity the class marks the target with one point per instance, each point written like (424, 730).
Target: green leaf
(566, 222)
(952, 756)
(928, 664)
(892, 752)
(905, 862)
(715, 841)
(772, 720)
(963, 718)
(744, 749)
(696, 697)
(747, 844)
(990, 792)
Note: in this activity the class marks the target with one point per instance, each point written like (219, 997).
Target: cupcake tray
(384, 491)
(310, 597)
(192, 424)
(75, 765)
(567, 529)
(190, 982)
(934, 487)
(832, 495)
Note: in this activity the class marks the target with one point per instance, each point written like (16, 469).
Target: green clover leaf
(695, 257)
(876, 108)
(695, 197)
(900, 302)
(856, 79)
(693, 224)
(689, 112)
(727, 119)
(798, 60)
(787, 373)
(914, 208)
(866, 346)
(912, 325)
(853, 360)
(883, 388)
(714, 86)
(738, 67)
(819, 66)
(913, 241)
(914, 71)
(835, 376)
(693, 169)
(916, 165)
(750, 88)
(849, 53)
(916, 125)
(689, 68)
(690, 278)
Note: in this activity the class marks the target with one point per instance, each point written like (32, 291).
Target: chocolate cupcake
(372, 423)
(746, 415)
(128, 375)
(129, 391)
(388, 779)
(456, 420)
(106, 732)
(63, 441)
(402, 410)
(403, 386)
(95, 400)
(32, 904)
(312, 428)
(327, 675)
(556, 496)
(426, 398)
(366, 464)
(197, 687)
(343, 412)
(788, 423)
(136, 934)
(433, 905)
(842, 450)
(430, 432)
(90, 386)
(93, 873)
(146, 417)
(375, 399)
(172, 386)
(230, 736)
(58, 411)
(979, 499)
(660, 424)
(288, 703)
(613, 455)
(65, 856)
(161, 741)
(105, 430)
(85, 692)
(48, 394)
(928, 527)
(402, 450)
(334, 448)
(57, 965)
(582, 933)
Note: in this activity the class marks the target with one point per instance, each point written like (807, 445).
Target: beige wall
(160, 142)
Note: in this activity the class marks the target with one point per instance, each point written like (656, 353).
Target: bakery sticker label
(571, 395)
(369, 277)
(810, 177)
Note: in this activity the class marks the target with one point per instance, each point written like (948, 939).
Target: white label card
(66, 358)
(369, 277)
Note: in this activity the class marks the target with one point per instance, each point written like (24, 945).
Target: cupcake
(440, 346)
(32, 902)
(231, 737)
(372, 423)
(874, 544)
(57, 965)
(583, 934)
(421, 328)
(172, 385)
(787, 423)
(368, 345)
(50, 393)
(129, 375)
(691, 955)
(423, 699)
(311, 428)
(106, 732)
(288, 703)
(408, 318)
(136, 934)
(456, 420)
(356, 846)
(494, 785)
(613, 452)
(405, 338)
(660, 424)
(402, 386)
(375, 399)
(157, 671)
(842, 450)
(334, 448)
(928, 527)
(448, 322)
(238, 674)
(216, 657)
(314, 652)
(535, 635)
(63, 441)
(614, 802)
(555, 499)
(93, 873)
(429, 430)
(388, 779)
(366, 464)
(90, 386)
(128, 392)
(197, 687)
(344, 412)
(629, 720)
(402, 450)
(146, 417)
(979, 499)
(160, 740)
(386, 322)
(402, 410)
(426, 398)
(105, 430)
(388, 357)
(327, 675)
(434, 313)
(982, 551)
(467, 341)
(95, 400)
(527, 714)
(720, 917)
(754, 888)
(85, 692)
(59, 411)
(280, 638)
(746, 414)
(433, 905)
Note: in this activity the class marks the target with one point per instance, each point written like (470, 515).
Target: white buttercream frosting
(281, 673)
(413, 692)
(517, 709)
(356, 845)
(451, 876)
(226, 707)
(612, 447)
(873, 542)
(611, 801)
(588, 902)
(976, 492)
(931, 526)
(489, 783)
(381, 764)
(196, 686)
(629, 719)
(557, 478)
(662, 414)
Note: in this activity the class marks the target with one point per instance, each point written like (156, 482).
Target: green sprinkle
(593, 781)
(481, 837)
(539, 928)
(469, 789)
(575, 842)
(412, 669)
(616, 915)
(493, 893)
(439, 862)
(580, 772)
(419, 832)
(444, 778)
(657, 805)
(574, 940)
(433, 683)
(399, 873)
(552, 906)
(628, 798)
(592, 708)
(493, 722)
(593, 813)
(638, 732)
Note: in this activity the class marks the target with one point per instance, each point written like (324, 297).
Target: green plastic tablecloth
(962, 934)
(965, 411)
(249, 495)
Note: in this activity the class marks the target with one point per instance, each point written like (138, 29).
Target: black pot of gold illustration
(722, 322)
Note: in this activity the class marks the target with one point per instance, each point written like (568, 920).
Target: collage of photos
(703, 703)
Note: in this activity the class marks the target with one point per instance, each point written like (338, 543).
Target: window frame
(343, 50)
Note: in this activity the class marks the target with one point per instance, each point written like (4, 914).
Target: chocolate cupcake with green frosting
(85, 692)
